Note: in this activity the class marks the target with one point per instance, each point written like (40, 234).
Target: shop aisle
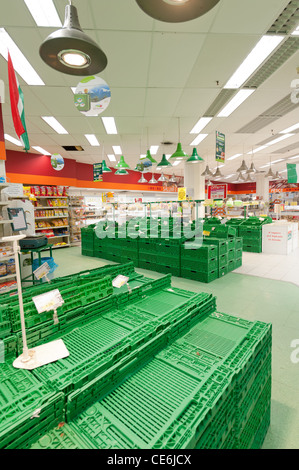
(252, 298)
(279, 267)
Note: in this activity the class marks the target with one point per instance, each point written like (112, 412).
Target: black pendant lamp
(69, 50)
(176, 11)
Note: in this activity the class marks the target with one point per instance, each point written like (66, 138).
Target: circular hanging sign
(92, 96)
(57, 161)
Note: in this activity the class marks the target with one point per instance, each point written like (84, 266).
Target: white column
(195, 183)
(262, 187)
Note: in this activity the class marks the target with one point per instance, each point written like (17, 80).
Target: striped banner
(293, 172)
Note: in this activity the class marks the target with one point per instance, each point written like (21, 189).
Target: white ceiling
(157, 72)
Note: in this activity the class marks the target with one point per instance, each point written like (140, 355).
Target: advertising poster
(217, 191)
(220, 147)
(97, 172)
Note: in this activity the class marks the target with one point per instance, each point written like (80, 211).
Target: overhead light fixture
(235, 102)
(242, 168)
(105, 168)
(44, 13)
(122, 164)
(279, 160)
(13, 140)
(257, 56)
(278, 176)
(296, 32)
(110, 125)
(69, 50)
(20, 63)
(111, 158)
(153, 180)
(179, 153)
(176, 11)
(154, 149)
(92, 140)
(293, 158)
(207, 172)
(279, 139)
(195, 158)
(52, 122)
(235, 156)
(198, 139)
(149, 157)
(40, 150)
(200, 125)
(142, 179)
(176, 163)
(252, 169)
(218, 173)
(249, 179)
(162, 178)
(173, 179)
(290, 129)
(259, 149)
(121, 172)
(164, 162)
(270, 174)
(240, 179)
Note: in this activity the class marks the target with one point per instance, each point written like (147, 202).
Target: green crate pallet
(198, 251)
(172, 269)
(223, 270)
(206, 265)
(168, 259)
(231, 254)
(221, 244)
(195, 275)
(254, 248)
(145, 264)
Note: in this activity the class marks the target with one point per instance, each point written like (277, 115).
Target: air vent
(73, 148)
(287, 20)
(285, 51)
(221, 100)
(167, 143)
(289, 148)
(276, 111)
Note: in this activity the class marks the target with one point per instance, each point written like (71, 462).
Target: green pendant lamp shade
(149, 157)
(195, 158)
(105, 168)
(164, 162)
(121, 172)
(122, 164)
(179, 153)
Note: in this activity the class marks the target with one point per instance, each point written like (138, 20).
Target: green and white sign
(92, 96)
(57, 161)
(97, 172)
(220, 147)
(293, 173)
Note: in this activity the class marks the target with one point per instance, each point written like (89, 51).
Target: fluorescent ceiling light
(168, 156)
(20, 63)
(177, 162)
(235, 102)
(117, 150)
(229, 176)
(199, 139)
(235, 156)
(52, 122)
(257, 56)
(44, 12)
(92, 140)
(296, 32)
(259, 149)
(143, 155)
(111, 158)
(73, 88)
(280, 160)
(154, 149)
(40, 150)
(293, 158)
(13, 140)
(265, 166)
(200, 125)
(109, 124)
(279, 139)
(290, 129)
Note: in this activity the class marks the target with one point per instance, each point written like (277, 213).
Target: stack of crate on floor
(168, 256)
(87, 240)
(251, 232)
(199, 262)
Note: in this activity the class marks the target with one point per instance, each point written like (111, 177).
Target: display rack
(52, 219)
(8, 281)
(76, 218)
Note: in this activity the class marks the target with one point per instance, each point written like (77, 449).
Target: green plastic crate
(231, 254)
(195, 275)
(206, 265)
(222, 244)
(223, 270)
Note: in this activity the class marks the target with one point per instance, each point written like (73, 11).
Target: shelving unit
(53, 213)
(76, 213)
(3, 232)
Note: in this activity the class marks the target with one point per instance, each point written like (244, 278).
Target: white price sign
(48, 301)
(42, 271)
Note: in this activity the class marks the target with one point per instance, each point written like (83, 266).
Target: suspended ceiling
(163, 77)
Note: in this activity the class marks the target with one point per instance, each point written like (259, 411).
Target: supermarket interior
(149, 212)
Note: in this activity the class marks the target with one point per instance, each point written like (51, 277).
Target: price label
(48, 301)
(42, 271)
(120, 281)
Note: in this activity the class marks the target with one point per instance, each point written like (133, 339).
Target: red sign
(217, 191)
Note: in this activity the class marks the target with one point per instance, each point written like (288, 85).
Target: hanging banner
(182, 193)
(217, 191)
(92, 96)
(57, 161)
(97, 172)
(220, 147)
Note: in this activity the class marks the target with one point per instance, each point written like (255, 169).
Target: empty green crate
(201, 252)
(238, 253)
(223, 270)
(200, 265)
(168, 260)
(231, 265)
(205, 277)
(86, 252)
(223, 260)
(239, 242)
(163, 268)
(144, 264)
(231, 254)
(221, 244)
(238, 263)
(254, 248)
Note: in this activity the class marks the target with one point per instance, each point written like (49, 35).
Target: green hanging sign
(220, 147)
(97, 172)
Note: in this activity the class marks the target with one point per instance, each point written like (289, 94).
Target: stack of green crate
(222, 246)
(87, 240)
(147, 254)
(238, 252)
(199, 262)
(168, 255)
(251, 232)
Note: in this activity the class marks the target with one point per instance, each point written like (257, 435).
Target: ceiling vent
(285, 51)
(73, 148)
(287, 20)
(221, 100)
(276, 111)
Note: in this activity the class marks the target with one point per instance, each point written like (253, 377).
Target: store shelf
(59, 236)
(51, 197)
(6, 258)
(51, 228)
(50, 207)
(54, 217)
(4, 203)
(5, 221)
(3, 185)
(61, 246)
(9, 276)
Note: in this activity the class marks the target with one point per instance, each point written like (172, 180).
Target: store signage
(97, 172)
(217, 191)
(182, 193)
(92, 96)
(42, 271)
(57, 162)
(220, 147)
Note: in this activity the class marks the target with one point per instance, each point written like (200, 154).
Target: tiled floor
(250, 296)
